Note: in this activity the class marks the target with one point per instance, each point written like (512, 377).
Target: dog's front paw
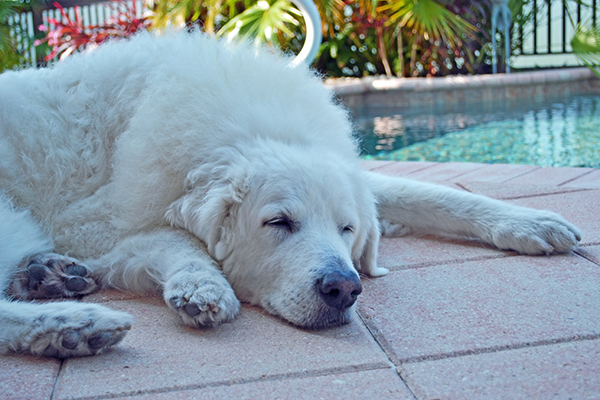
(51, 276)
(535, 232)
(201, 299)
(75, 329)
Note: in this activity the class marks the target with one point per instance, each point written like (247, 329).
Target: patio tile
(590, 180)
(415, 252)
(550, 176)
(513, 191)
(445, 171)
(592, 253)
(378, 384)
(497, 172)
(27, 377)
(580, 208)
(481, 305)
(402, 168)
(160, 353)
(371, 165)
(559, 371)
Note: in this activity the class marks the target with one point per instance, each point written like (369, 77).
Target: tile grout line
(240, 381)
(586, 258)
(406, 174)
(577, 177)
(394, 366)
(520, 175)
(60, 368)
(529, 196)
(477, 258)
(450, 262)
(482, 166)
(589, 244)
(497, 349)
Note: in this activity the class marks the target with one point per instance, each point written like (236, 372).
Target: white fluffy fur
(167, 164)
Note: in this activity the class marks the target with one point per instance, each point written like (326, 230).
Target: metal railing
(551, 25)
(93, 12)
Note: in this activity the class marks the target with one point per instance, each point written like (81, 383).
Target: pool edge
(360, 93)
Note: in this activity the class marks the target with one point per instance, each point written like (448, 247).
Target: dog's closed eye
(347, 229)
(283, 222)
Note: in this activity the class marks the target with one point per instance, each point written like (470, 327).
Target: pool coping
(349, 86)
(361, 93)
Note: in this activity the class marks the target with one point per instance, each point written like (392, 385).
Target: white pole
(314, 37)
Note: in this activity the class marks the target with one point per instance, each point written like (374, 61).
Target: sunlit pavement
(452, 320)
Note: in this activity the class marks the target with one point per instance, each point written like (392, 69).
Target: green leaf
(586, 47)
(429, 18)
(262, 21)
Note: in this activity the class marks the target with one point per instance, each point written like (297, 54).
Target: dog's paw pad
(51, 276)
(204, 304)
(77, 329)
(83, 342)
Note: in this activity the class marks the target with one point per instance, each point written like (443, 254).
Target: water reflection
(563, 132)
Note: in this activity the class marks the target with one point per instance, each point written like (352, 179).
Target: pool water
(559, 132)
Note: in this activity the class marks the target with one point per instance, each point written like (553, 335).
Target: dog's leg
(64, 329)
(55, 329)
(177, 263)
(431, 209)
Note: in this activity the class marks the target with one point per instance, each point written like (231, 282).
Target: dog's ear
(364, 251)
(209, 206)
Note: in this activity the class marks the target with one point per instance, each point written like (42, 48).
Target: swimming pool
(552, 132)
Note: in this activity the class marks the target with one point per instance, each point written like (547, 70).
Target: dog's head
(290, 228)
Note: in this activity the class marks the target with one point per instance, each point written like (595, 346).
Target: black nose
(339, 288)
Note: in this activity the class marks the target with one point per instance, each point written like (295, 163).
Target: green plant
(267, 21)
(360, 37)
(586, 46)
(13, 40)
(586, 41)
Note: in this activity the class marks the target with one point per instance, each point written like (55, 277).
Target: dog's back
(66, 131)
(58, 125)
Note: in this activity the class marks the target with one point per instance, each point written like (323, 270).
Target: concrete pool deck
(452, 320)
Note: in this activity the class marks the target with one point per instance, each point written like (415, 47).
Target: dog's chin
(322, 318)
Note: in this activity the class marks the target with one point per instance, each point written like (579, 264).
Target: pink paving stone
(580, 208)
(371, 165)
(550, 176)
(445, 171)
(592, 253)
(160, 353)
(27, 377)
(379, 384)
(488, 304)
(591, 180)
(414, 252)
(497, 172)
(558, 371)
(402, 168)
(514, 191)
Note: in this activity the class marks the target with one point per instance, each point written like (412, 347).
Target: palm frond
(429, 18)
(262, 21)
(586, 46)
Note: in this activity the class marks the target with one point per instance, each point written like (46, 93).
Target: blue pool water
(557, 132)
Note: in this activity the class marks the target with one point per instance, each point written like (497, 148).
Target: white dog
(210, 173)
